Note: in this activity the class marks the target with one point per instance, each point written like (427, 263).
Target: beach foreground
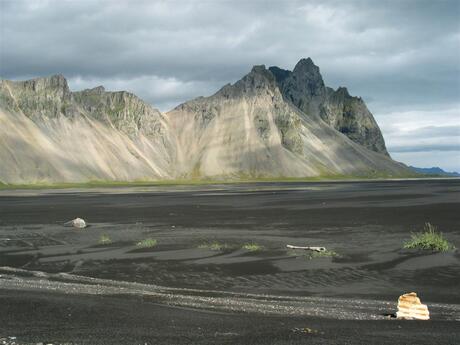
(209, 264)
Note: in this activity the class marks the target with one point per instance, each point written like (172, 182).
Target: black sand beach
(58, 284)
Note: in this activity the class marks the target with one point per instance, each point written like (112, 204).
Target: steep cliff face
(350, 116)
(122, 110)
(304, 87)
(36, 98)
(248, 129)
(49, 134)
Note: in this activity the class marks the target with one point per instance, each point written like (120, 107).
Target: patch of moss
(214, 245)
(252, 247)
(147, 243)
(105, 239)
(323, 254)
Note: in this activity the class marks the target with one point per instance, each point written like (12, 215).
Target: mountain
(434, 171)
(304, 87)
(271, 123)
(249, 129)
(50, 134)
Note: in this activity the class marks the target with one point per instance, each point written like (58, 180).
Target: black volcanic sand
(182, 292)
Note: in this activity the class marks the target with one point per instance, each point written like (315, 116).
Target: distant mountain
(434, 171)
(271, 123)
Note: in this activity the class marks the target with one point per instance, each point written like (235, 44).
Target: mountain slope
(305, 88)
(49, 134)
(249, 129)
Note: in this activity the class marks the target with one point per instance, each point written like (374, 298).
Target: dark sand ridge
(365, 223)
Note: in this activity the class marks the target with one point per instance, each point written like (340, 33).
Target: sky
(402, 57)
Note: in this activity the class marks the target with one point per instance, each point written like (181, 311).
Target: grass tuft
(429, 239)
(147, 243)
(311, 254)
(105, 239)
(252, 247)
(323, 254)
(214, 246)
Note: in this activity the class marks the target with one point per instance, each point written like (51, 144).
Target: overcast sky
(401, 57)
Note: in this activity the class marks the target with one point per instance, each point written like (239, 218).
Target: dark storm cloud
(400, 56)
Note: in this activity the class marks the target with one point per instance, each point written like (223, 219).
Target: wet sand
(181, 291)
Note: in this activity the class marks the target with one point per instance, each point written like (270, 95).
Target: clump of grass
(147, 243)
(429, 239)
(105, 239)
(213, 246)
(323, 254)
(312, 254)
(252, 247)
(304, 330)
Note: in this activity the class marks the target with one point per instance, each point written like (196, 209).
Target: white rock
(77, 223)
(410, 308)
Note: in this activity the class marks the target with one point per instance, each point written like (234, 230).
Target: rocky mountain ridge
(270, 123)
(249, 127)
(50, 134)
(305, 88)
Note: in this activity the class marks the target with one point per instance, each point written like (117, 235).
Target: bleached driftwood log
(410, 308)
(316, 249)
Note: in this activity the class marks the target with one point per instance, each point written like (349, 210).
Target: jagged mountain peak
(342, 91)
(55, 82)
(304, 87)
(279, 73)
(258, 77)
(306, 65)
(258, 69)
(258, 80)
(97, 89)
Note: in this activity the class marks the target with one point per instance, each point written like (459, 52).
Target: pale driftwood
(316, 249)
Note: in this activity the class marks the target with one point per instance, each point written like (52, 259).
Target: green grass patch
(147, 243)
(312, 254)
(214, 245)
(105, 239)
(323, 254)
(252, 247)
(429, 239)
